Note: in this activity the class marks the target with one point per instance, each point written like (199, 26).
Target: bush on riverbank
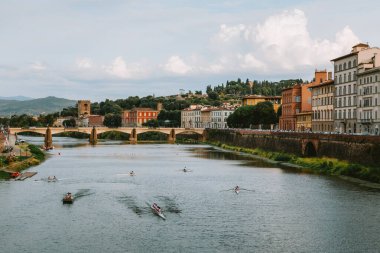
(320, 165)
(36, 152)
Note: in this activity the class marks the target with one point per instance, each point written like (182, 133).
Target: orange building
(255, 99)
(291, 105)
(138, 116)
(95, 120)
(297, 104)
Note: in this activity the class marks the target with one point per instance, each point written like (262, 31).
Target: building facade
(323, 106)
(368, 110)
(84, 108)
(198, 116)
(255, 99)
(346, 90)
(291, 105)
(219, 117)
(137, 116)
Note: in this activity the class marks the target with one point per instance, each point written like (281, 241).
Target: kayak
(158, 212)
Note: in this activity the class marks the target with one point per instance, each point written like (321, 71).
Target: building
(323, 106)
(95, 120)
(304, 117)
(84, 108)
(191, 117)
(2, 141)
(291, 105)
(59, 122)
(198, 116)
(368, 110)
(346, 90)
(255, 99)
(137, 116)
(218, 117)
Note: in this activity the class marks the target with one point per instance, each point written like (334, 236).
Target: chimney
(329, 76)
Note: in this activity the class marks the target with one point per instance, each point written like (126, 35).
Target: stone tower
(84, 108)
(159, 106)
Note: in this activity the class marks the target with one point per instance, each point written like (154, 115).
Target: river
(280, 210)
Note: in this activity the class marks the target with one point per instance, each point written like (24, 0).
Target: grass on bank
(19, 163)
(320, 165)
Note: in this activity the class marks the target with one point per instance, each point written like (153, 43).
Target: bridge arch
(310, 150)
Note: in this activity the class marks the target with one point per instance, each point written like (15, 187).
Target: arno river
(283, 211)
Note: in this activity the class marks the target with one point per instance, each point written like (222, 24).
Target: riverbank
(32, 156)
(317, 165)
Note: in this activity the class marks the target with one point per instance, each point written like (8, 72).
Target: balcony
(366, 121)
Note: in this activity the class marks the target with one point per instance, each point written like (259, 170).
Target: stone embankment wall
(357, 149)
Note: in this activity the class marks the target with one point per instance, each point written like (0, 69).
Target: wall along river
(283, 211)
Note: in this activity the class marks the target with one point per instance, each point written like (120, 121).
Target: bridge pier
(48, 139)
(204, 135)
(93, 136)
(133, 137)
(171, 136)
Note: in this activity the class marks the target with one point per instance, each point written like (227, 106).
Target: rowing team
(156, 207)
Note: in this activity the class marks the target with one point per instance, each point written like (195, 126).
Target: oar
(227, 190)
(247, 190)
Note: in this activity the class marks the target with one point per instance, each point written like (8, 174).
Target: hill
(19, 98)
(34, 106)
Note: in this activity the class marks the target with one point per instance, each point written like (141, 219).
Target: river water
(280, 210)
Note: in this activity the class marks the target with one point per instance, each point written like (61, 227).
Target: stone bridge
(48, 132)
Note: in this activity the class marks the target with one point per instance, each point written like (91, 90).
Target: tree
(213, 95)
(69, 123)
(151, 123)
(112, 120)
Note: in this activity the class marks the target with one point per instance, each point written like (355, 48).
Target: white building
(369, 97)
(346, 90)
(191, 117)
(197, 116)
(219, 117)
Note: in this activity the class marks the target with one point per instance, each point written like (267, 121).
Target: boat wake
(132, 204)
(170, 205)
(82, 193)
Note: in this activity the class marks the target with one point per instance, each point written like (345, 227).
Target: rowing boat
(68, 199)
(157, 211)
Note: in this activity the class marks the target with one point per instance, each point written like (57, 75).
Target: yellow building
(255, 99)
(303, 121)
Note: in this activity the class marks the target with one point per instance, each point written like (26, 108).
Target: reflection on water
(274, 211)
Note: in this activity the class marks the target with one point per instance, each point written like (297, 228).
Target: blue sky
(98, 49)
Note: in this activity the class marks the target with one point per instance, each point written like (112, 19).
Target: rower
(237, 188)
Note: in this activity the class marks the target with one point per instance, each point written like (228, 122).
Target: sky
(99, 49)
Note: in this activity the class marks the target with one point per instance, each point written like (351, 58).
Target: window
(349, 77)
(340, 67)
(349, 64)
(340, 78)
(354, 63)
(349, 89)
(344, 66)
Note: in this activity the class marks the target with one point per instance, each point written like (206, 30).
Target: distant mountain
(34, 106)
(18, 98)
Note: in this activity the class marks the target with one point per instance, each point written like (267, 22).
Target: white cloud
(176, 65)
(38, 66)
(84, 63)
(281, 43)
(120, 69)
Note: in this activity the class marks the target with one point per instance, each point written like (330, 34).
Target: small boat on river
(157, 210)
(132, 173)
(237, 189)
(68, 198)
